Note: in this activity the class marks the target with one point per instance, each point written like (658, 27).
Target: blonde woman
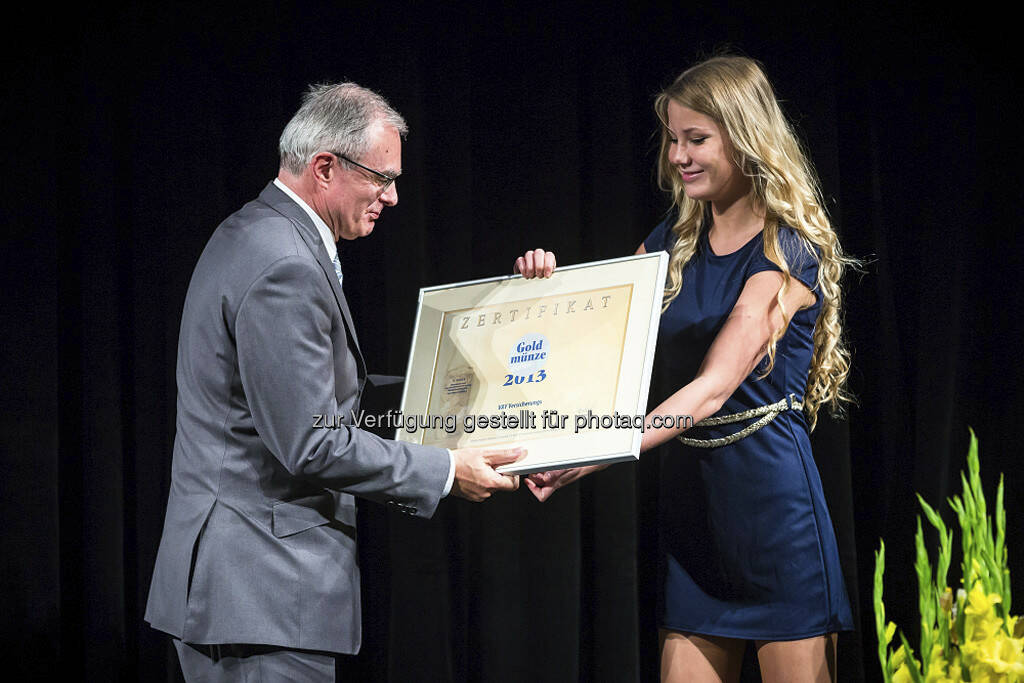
(751, 322)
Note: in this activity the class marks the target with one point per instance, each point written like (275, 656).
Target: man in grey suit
(256, 570)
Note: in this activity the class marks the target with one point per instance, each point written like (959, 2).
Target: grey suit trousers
(253, 664)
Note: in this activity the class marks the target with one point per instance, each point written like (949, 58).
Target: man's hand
(535, 263)
(475, 478)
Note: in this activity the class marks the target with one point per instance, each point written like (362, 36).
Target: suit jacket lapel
(283, 204)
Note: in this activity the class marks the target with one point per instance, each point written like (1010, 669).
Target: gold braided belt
(767, 413)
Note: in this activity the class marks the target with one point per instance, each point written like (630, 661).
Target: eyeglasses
(383, 180)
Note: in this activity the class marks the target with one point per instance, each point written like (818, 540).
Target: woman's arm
(737, 349)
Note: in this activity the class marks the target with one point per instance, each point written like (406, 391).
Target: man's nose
(390, 196)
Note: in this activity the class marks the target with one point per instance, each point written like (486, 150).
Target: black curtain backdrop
(131, 133)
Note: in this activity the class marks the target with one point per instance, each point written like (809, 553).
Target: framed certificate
(560, 366)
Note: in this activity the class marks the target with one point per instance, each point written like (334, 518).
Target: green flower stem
(883, 638)
(927, 602)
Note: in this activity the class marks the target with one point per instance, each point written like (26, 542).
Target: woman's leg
(811, 660)
(695, 658)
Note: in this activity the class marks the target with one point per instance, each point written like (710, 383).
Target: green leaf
(945, 557)
(926, 601)
(967, 532)
(933, 517)
(974, 469)
(1006, 587)
(957, 505)
(1000, 544)
(1000, 520)
(912, 665)
(882, 632)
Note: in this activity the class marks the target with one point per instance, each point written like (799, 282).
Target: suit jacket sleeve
(283, 332)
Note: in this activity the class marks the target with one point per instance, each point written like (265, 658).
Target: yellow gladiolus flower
(937, 666)
(1015, 627)
(980, 603)
(899, 657)
(902, 675)
(1002, 654)
(981, 621)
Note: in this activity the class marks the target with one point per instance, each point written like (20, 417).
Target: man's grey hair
(335, 117)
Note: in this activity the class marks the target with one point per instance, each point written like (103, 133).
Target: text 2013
(533, 377)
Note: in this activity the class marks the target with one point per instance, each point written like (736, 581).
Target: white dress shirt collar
(325, 233)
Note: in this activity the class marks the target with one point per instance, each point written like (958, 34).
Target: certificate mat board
(508, 362)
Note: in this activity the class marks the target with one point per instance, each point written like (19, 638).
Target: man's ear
(325, 166)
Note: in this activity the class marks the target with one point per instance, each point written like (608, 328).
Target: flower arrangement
(969, 635)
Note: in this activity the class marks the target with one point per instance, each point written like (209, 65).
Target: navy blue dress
(749, 547)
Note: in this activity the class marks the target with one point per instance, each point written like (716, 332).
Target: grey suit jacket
(259, 540)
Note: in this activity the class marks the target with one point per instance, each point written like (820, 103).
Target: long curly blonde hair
(735, 93)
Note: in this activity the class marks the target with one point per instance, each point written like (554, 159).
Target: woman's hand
(543, 484)
(536, 263)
